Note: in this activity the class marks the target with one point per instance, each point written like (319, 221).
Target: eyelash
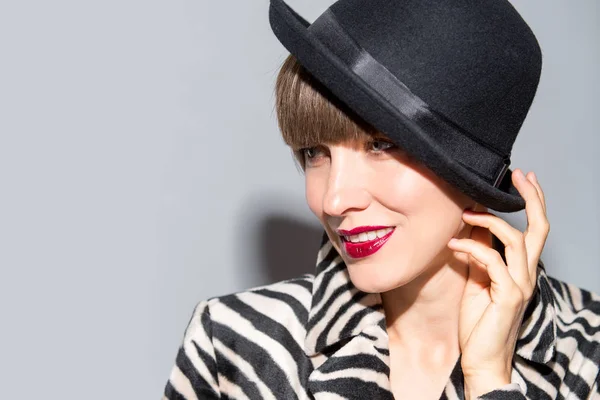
(390, 146)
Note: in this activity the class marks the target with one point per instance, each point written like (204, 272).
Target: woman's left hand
(496, 294)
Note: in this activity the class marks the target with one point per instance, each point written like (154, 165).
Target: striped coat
(318, 337)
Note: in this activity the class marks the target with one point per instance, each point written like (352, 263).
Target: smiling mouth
(360, 242)
(367, 236)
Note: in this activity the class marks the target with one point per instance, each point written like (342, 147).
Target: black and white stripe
(318, 337)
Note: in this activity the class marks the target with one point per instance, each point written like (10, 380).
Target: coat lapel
(347, 340)
(346, 336)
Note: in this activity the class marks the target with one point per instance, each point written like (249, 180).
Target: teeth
(382, 232)
(365, 236)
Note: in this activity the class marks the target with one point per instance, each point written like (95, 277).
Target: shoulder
(251, 340)
(577, 311)
(267, 316)
(281, 301)
(264, 326)
(577, 324)
(228, 336)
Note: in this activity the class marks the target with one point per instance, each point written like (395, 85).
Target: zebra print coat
(318, 337)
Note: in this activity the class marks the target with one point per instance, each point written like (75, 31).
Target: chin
(378, 278)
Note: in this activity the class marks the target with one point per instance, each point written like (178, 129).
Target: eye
(312, 155)
(381, 145)
(309, 152)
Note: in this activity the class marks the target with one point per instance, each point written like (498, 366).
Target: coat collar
(340, 313)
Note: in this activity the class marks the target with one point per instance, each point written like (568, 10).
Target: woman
(402, 115)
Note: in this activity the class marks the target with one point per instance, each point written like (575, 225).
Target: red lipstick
(366, 248)
(360, 229)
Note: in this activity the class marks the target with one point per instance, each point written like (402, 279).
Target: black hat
(449, 81)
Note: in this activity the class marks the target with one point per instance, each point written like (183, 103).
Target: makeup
(364, 241)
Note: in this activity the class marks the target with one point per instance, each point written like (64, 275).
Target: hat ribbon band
(440, 132)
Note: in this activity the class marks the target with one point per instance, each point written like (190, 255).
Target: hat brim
(292, 31)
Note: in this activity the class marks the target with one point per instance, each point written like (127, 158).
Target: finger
(533, 179)
(514, 244)
(536, 216)
(537, 223)
(503, 288)
(533, 203)
(479, 274)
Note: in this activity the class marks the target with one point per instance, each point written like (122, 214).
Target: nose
(347, 182)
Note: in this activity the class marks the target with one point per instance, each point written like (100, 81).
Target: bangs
(309, 114)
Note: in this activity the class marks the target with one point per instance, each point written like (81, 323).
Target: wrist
(480, 384)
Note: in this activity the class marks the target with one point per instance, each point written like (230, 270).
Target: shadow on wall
(277, 238)
(287, 247)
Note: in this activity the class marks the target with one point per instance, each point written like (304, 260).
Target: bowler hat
(450, 81)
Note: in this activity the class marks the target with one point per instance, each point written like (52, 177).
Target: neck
(423, 315)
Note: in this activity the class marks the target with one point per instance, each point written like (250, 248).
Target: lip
(365, 249)
(360, 229)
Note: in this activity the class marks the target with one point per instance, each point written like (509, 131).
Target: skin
(441, 297)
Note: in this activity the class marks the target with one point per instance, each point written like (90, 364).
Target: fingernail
(534, 177)
(520, 175)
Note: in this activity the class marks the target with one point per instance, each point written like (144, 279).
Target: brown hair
(309, 114)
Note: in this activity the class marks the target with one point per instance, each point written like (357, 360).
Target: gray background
(141, 171)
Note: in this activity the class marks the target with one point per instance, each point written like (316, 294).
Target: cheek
(414, 192)
(432, 215)
(403, 190)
